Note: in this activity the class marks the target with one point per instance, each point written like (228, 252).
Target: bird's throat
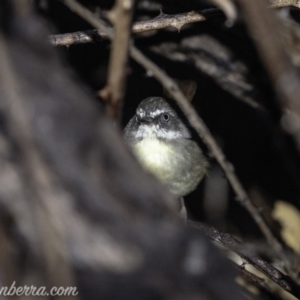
(155, 156)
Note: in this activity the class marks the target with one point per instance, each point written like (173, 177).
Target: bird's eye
(165, 117)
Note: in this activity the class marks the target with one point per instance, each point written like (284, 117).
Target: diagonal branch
(196, 122)
(231, 243)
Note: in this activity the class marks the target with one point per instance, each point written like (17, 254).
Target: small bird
(164, 146)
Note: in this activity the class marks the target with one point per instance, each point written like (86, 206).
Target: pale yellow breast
(155, 156)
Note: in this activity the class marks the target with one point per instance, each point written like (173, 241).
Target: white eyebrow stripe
(141, 113)
(156, 113)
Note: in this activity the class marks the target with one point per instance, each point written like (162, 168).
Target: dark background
(264, 157)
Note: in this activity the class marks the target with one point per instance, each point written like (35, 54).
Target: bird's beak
(144, 120)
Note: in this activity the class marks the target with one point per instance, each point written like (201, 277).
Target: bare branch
(160, 22)
(231, 243)
(176, 21)
(113, 92)
(79, 37)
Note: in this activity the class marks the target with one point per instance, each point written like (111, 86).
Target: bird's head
(156, 119)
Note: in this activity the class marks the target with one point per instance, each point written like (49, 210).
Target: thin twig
(196, 122)
(160, 22)
(113, 92)
(231, 243)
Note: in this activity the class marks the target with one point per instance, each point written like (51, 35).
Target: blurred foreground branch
(285, 79)
(48, 238)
